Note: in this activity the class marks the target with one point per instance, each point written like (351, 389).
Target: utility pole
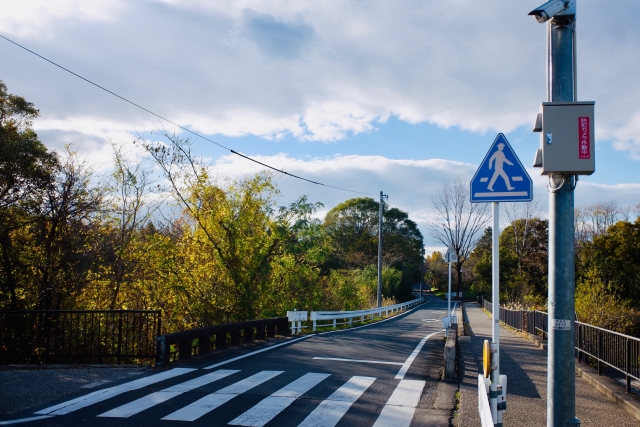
(561, 380)
(561, 88)
(382, 197)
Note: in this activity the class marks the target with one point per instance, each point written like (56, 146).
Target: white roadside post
(499, 178)
(450, 257)
(296, 318)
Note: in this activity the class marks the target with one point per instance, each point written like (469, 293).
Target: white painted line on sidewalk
(399, 410)
(337, 359)
(211, 401)
(257, 351)
(406, 365)
(150, 400)
(107, 393)
(331, 410)
(24, 420)
(271, 406)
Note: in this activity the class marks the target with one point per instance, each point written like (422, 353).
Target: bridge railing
(183, 345)
(600, 346)
(348, 317)
(78, 336)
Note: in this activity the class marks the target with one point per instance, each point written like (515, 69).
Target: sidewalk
(525, 365)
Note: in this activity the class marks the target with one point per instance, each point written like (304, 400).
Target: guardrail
(483, 403)
(348, 317)
(78, 336)
(592, 344)
(183, 345)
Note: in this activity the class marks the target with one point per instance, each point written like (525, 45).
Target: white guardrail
(483, 402)
(297, 317)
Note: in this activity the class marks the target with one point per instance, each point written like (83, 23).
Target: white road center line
(331, 410)
(337, 359)
(211, 401)
(107, 393)
(150, 400)
(407, 364)
(271, 406)
(399, 410)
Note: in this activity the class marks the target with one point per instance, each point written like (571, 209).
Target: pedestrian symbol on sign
(501, 177)
(499, 159)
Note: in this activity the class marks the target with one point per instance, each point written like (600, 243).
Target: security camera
(554, 8)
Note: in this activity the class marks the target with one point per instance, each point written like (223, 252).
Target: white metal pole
(449, 300)
(380, 218)
(495, 309)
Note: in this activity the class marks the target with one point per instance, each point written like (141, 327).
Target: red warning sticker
(584, 146)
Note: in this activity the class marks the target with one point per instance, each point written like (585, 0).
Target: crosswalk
(397, 412)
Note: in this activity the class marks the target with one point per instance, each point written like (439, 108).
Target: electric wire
(179, 126)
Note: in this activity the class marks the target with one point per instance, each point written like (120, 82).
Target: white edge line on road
(410, 359)
(358, 361)
(24, 420)
(257, 351)
(310, 336)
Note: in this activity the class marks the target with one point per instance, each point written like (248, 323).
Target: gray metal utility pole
(561, 379)
(382, 197)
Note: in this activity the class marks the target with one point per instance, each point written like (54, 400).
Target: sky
(368, 96)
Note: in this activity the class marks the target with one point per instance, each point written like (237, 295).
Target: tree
(26, 166)
(26, 171)
(613, 258)
(457, 222)
(65, 233)
(129, 188)
(352, 230)
(526, 243)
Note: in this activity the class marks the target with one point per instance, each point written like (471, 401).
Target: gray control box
(567, 143)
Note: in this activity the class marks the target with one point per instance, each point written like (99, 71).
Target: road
(382, 374)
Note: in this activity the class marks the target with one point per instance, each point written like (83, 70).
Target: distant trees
(607, 264)
(352, 233)
(457, 222)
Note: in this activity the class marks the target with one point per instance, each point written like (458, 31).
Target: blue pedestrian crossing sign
(501, 177)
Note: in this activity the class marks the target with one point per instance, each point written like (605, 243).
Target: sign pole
(495, 313)
(499, 178)
(380, 223)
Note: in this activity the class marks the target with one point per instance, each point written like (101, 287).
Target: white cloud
(316, 70)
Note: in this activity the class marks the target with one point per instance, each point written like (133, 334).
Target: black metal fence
(78, 336)
(597, 346)
(184, 345)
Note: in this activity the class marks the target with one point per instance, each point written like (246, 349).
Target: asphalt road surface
(382, 374)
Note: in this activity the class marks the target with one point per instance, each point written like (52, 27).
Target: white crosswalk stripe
(271, 406)
(158, 397)
(107, 393)
(211, 401)
(399, 410)
(331, 410)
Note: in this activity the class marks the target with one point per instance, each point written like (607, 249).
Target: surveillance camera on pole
(554, 8)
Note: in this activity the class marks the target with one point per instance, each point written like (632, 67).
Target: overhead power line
(179, 126)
